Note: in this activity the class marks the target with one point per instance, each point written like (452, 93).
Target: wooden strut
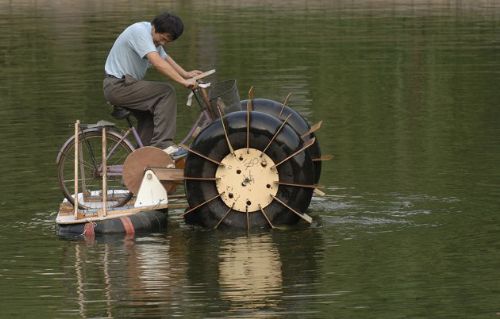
(199, 205)
(304, 216)
(275, 135)
(77, 143)
(306, 145)
(104, 175)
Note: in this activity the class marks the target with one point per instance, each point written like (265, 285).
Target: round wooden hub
(138, 161)
(247, 180)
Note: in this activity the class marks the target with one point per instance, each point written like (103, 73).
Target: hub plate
(247, 180)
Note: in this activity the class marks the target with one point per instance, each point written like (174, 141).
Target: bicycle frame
(205, 117)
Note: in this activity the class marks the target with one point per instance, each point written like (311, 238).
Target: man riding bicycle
(154, 104)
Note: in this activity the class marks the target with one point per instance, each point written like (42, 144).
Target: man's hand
(190, 84)
(192, 74)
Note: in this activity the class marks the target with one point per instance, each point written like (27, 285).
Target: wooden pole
(104, 174)
(77, 146)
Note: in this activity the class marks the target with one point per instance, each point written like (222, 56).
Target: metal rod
(231, 150)
(306, 145)
(201, 178)
(304, 216)
(205, 202)
(285, 102)
(298, 185)
(201, 155)
(251, 93)
(248, 128)
(248, 220)
(224, 217)
(265, 216)
(275, 135)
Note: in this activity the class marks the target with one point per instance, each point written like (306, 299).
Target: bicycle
(119, 146)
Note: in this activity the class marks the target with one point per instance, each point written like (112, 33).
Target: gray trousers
(154, 104)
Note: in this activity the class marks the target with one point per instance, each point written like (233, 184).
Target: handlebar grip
(204, 74)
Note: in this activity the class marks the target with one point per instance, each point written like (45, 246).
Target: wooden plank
(168, 174)
(64, 219)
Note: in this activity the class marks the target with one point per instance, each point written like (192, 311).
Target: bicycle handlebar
(203, 75)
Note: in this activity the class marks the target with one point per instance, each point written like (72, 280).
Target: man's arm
(168, 70)
(180, 69)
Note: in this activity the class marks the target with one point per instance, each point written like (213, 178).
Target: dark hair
(168, 23)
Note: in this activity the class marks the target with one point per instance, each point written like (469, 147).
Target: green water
(409, 95)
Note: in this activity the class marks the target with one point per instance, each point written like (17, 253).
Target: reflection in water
(123, 277)
(250, 272)
(211, 274)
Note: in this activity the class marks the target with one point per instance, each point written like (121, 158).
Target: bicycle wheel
(90, 169)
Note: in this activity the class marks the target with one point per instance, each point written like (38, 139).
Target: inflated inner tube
(142, 222)
(244, 174)
(296, 121)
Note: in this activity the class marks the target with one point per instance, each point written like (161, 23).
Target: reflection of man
(153, 103)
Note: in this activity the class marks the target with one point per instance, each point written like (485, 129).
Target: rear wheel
(90, 169)
(263, 179)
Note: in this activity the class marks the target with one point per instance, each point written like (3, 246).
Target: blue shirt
(128, 54)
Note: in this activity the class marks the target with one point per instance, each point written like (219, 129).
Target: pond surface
(409, 95)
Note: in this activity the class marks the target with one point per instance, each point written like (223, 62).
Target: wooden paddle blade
(323, 158)
(313, 129)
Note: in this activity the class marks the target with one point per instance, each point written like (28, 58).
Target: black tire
(211, 143)
(296, 121)
(89, 176)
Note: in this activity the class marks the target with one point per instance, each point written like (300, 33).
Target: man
(153, 103)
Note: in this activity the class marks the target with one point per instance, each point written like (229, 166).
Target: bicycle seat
(119, 112)
(99, 125)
